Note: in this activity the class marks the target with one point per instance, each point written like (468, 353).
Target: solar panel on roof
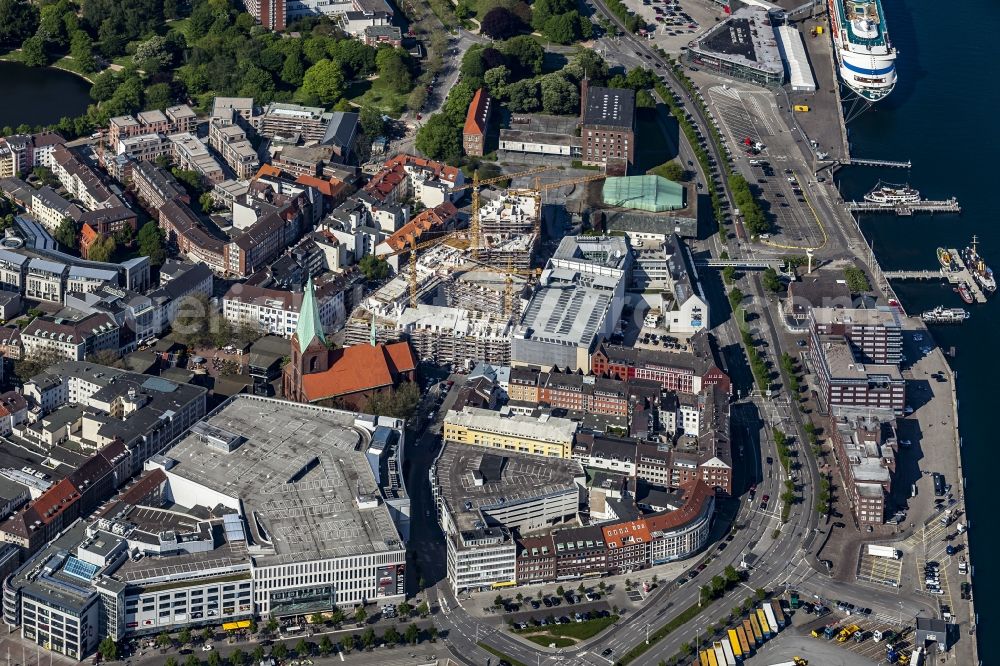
(79, 569)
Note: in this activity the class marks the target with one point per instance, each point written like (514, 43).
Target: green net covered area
(650, 193)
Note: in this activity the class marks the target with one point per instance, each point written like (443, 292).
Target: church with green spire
(348, 376)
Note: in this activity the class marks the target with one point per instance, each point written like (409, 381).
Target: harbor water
(941, 116)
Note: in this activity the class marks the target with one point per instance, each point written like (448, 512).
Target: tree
(394, 68)
(108, 649)
(857, 281)
(172, 661)
(432, 633)
(368, 637)
(496, 80)
(125, 235)
(404, 609)
(729, 274)
(501, 23)
(279, 651)
(770, 280)
(34, 52)
(337, 617)
(498, 601)
(439, 139)
(560, 591)
(192, 660)
(207, 634)
(360, 615)
(184, 636)
(372, 121)
(159, 96)
(525, 56)
(258, 653)
(523, 96)
(66, 233)
(293, 71)
(671, 171)
(213, 658)
(736, 297)
(102, 249)
(303, 648)
(82, 50)
(317, 619)
(374, 268)
(238, 657)
(325, 645)
(324, 82)
(391, 636)
(565, 28)
(589, 63)
(559, 95)
(151, 243)
(412, 634)
(731, 574)
(153, 55)
(416, 99)
(18, 21)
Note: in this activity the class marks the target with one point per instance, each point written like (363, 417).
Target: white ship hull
(865, 56)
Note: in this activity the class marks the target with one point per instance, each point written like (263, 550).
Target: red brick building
(676, 371)
(607, 128)
(476, 123)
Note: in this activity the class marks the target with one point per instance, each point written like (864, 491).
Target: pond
(40, 95)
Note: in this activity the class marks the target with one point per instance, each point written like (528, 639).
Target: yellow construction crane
(412, 246)
(474, 186)
(509, 272)
(541, 188)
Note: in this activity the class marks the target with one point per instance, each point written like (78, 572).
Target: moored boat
(887, 193)
(981, 273)
(944, 258)
(943, 315)
(965, 293)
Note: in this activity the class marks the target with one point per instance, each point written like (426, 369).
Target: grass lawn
(71, 65)
(545, 641)
(180, 25)
(377, 94)
(583, 630)
(506, 657)
(664, 170)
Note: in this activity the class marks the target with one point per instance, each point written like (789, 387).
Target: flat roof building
(484, 496)
(544, 435)
(743, 46)
(304, 483)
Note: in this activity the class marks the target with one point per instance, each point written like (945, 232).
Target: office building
(875, 334)
(544, 435)
(844, 380)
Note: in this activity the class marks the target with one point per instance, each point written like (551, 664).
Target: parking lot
(676, 21)
(868, 647)
(880, 570)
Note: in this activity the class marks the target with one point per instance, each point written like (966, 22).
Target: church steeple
(309, 326)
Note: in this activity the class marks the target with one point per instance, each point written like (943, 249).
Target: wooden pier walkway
(905, 208)
(958, 276)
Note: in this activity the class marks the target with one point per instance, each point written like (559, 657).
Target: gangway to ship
(894, 164)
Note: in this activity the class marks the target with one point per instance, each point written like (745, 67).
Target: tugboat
(964, 291)
(887, 193)
(943, 315)
(981, 273)
(944, 257)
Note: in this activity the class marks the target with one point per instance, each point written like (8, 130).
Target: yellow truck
(847, 632)
(804, 108)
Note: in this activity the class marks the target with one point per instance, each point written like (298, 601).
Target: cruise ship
(866, 56)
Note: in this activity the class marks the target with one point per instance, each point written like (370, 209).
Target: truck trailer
(765, 626)
(748, 631)
(758, 635)
(779, 614)
(734, 642)
(745, 642)
(884, 551)
(771, 620)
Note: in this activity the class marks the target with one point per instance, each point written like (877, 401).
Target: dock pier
(894, 164)
(904, 209)
(959, 275)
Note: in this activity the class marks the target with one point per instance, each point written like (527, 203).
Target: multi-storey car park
(264, 508)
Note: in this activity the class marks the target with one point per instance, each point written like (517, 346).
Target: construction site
(459, 295)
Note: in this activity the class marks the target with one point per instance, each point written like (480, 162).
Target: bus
(500, 586)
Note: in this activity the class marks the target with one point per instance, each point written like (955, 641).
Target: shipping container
(779, 614)
(734, 642)
(744, 641)
(765, 627)
(720, 654)
(727, 648)
(751, 637)
(883, 551)
(771, 620)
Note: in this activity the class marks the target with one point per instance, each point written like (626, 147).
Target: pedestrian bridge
(745, 264)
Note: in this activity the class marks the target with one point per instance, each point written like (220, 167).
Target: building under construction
(438, 333)
(508, 230)
(473, 288)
